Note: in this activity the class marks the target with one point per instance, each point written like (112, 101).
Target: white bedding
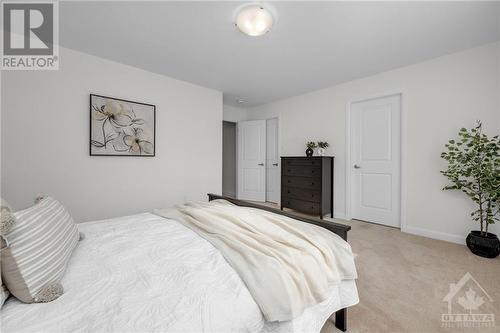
(144, 273)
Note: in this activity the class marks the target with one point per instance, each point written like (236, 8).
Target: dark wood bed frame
(337, 228)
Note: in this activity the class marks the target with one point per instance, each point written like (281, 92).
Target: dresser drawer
(301, 170)
(301, 194)
(312, 208)
(302, 162)
(302, 182)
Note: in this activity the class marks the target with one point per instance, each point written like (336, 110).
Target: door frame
(403, 156)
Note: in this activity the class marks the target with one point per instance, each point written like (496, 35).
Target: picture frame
(120, 127)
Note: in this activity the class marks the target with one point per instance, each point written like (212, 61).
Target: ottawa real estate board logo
(468, 305)
(30, 35)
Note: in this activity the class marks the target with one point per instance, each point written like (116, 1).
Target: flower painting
(121, 128)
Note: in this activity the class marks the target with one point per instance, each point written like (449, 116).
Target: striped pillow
(39, 246)
(4, 293)
(6, 221)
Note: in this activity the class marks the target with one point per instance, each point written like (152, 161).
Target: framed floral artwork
(121, 128)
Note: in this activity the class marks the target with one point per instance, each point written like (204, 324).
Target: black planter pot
(309, 152)
(487, 246)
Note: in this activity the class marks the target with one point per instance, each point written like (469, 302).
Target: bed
(145, 273)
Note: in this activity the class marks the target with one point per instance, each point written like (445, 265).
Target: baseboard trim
(458, 239)
(340, 216)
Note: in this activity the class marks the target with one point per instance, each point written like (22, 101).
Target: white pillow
(39, 246)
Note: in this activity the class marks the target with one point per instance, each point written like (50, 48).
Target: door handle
(356, 166)
(275, 164)
(261, 164)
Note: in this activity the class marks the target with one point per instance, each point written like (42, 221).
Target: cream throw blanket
(287, 265)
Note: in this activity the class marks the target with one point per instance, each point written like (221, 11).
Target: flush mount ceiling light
(254, 20)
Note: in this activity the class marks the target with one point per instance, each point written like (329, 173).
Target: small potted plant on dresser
(322, 146)
(474, 168)
(310, 148)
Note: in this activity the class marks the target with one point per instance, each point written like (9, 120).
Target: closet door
(251, 160)
(272, 161)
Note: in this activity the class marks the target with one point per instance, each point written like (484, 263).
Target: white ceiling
(313, 45)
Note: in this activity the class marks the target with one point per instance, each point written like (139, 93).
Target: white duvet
(143, 273)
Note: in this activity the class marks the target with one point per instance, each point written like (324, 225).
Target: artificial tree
(474, 168)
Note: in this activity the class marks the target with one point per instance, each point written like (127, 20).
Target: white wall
(234, 114)
(45, 135)
(440, 96)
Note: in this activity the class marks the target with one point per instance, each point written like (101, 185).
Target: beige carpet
(404, 278)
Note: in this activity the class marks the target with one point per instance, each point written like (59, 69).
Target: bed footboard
(337, 228)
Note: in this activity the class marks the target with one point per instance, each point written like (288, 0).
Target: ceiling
(313, 45)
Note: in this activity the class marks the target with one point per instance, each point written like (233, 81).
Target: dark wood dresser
(307, 184)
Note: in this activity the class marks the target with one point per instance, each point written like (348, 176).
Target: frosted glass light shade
(254, 20)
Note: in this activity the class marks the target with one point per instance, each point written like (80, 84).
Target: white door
(375, 157)
(251, 160)
(272, 161)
